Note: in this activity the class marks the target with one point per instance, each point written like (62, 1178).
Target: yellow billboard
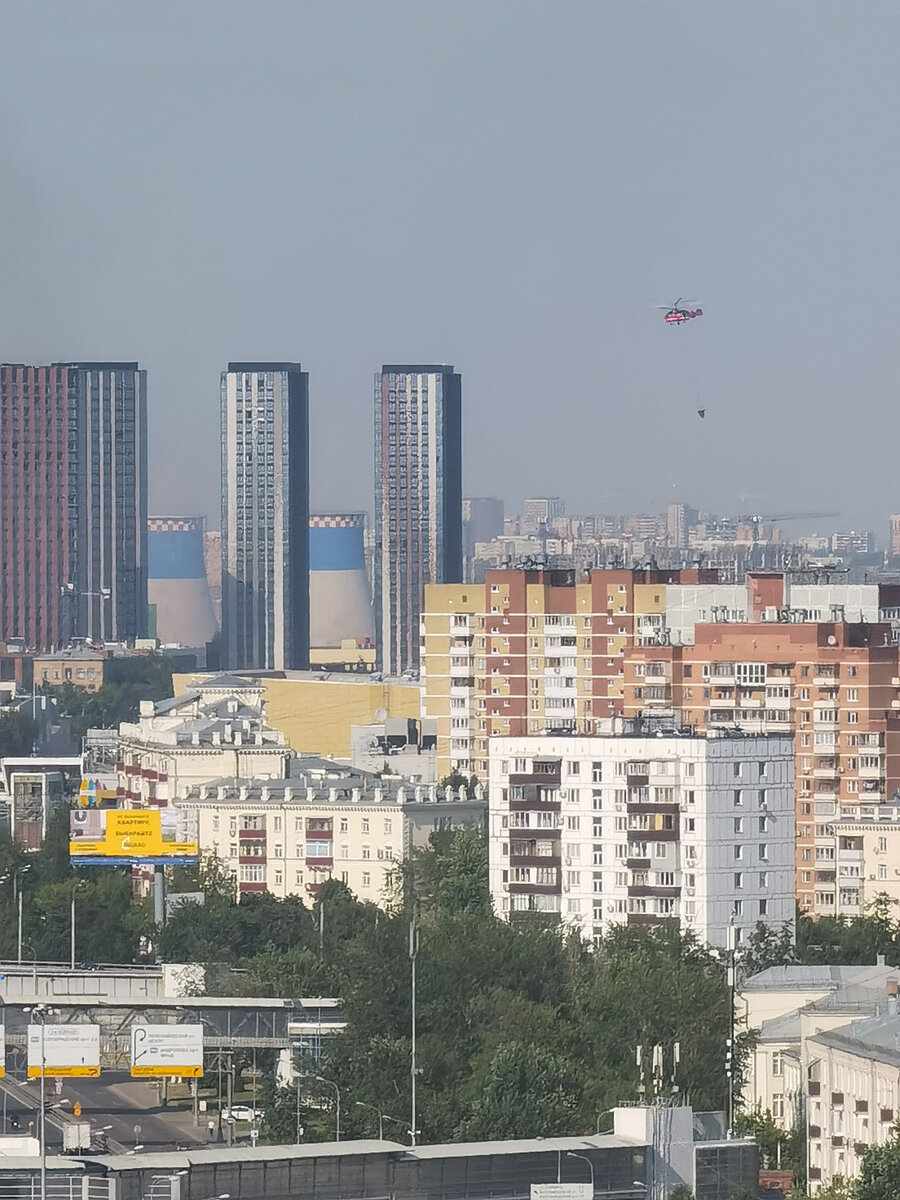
(110, 837)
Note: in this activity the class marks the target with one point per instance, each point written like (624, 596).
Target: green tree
(522, 1090)
(768, 946)
(681, 1191)
(776, 1144)
(281, 1113)
(879, 1172)
(17, 734)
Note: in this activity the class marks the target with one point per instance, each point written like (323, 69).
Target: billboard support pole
(159, 895)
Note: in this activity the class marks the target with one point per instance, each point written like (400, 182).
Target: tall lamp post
(413, 1069)
(584, 1159)
(337, 1109)
(16, 876)
(39, 1014)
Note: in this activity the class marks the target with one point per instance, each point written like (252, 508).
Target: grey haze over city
(507, 186)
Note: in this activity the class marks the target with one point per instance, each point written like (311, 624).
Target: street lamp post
(585, 1159)
(381, 1117)
(26, 946)
(39, 1014)
(413, 1068)
(16, 876)
(337, 1110)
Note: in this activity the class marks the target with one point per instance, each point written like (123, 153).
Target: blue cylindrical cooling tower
(177, 582)
(340, 605)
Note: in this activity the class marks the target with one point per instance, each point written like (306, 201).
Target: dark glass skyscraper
(265, 516)
(73, 502)
(418, 501)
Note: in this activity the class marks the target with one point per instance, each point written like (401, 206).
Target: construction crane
(755, 520)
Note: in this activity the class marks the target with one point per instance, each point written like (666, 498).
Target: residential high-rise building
(534, 651)
(641, 825)
(265, 515)
(418, 501)
(832, 685)
(73, 502)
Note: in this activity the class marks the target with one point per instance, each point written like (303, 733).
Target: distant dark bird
(701, 412)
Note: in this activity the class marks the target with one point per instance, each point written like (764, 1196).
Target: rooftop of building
(76, 653)
(801, 977)
(317, 782)
(798, 978)
(876, 1038)
(264, 366)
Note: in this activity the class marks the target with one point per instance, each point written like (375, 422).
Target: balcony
(826, 676)
(824, 768)
(876, 772)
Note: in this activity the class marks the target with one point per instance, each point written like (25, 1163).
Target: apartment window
(852, 672)
(387, 825)
(777, 1064)
(298, 878)
(738, 824)
(690, 825)
(738, 798)
(279, 878)
(778, 1106)
(738, 853)
(573, 768)
(882, 871)
(852, 718)
(882, 845)
(763, 852)
(298, 825)
(737, 909)
(762, 824)
(344, 825)
(366, 879)
(277, 825)
(764, 879)
(573, 823)
(689, 796)
(279, 850)
(738, 879)
(852, 695)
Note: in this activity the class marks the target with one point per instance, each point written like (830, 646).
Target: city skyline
(628, 209)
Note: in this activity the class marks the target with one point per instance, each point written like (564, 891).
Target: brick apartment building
(833, 685)
(533, 652)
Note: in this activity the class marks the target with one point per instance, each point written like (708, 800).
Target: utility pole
(413, 1069)
(729, 1049)
(72, 932)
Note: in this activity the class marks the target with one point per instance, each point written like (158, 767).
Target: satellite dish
(832, 640)
(380, 714)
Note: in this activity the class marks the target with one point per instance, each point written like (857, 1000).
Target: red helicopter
(676, 315)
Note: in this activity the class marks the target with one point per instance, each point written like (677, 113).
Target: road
(115, 1104)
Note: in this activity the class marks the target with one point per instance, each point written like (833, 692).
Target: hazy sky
(506, 185)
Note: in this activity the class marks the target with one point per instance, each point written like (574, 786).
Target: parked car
(242, 1112)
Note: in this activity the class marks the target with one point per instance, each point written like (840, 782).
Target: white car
(242, 1112)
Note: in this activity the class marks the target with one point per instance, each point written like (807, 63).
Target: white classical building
(216, 728)
(631, 828)
(826, 1057)
(288, 836)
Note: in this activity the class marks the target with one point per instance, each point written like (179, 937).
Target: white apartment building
(288, 836)
(825, 1057)
(216, 728)
(867, 857)
(635, 828)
